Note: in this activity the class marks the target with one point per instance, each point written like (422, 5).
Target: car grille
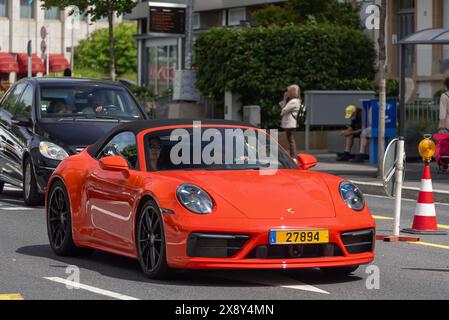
(209, 245)
(359, 241)
(291, 251)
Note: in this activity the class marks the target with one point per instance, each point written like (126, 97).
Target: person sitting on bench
(354, 130)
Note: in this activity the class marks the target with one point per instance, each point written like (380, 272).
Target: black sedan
(44, 120)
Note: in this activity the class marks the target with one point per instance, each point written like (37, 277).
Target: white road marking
(11, 188)
(411, 200)
(11, 200)
(18, 208)
(103, 292)
(279, 281)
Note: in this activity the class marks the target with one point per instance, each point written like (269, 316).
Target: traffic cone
(425, 220)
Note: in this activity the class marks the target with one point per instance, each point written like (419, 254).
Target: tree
(343, 13)
(93, 53)
(382, 88)
(98, 9)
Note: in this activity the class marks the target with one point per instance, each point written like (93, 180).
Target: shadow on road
(118, 267)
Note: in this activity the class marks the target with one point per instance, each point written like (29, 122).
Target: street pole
(382, 89)
(48, 55)
(398, 186)
(188, 45)
(72, 50)
(29, 46)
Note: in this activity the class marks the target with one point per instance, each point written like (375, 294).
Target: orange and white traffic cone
(425, 220)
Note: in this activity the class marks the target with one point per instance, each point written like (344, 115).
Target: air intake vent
(358, 241)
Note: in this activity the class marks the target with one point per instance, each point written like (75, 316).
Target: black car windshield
(89, 101)
(214, 148)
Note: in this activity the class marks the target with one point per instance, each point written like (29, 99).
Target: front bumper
(43, 169)
(245, 253)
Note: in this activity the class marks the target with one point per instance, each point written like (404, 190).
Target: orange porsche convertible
(177, 194)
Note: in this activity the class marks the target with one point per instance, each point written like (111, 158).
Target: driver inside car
(96, 105)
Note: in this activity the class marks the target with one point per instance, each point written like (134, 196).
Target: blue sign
(370, 119)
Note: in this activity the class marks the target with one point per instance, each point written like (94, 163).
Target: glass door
(162, 63)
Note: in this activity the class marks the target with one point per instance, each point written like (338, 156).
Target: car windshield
(88, 101)
(214, 148)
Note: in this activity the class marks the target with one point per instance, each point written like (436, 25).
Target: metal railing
(422, 111)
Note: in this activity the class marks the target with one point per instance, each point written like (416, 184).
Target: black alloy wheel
(59, 222)
(150, 241)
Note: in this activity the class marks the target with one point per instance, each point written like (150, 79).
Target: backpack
(301, 115)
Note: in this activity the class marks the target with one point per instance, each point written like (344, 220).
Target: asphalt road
(406, 270)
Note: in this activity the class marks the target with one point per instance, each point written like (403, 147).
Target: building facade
(427, 65)
(159, 56)
(20, 22)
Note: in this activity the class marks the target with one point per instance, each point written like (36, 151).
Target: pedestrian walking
(290, 108)
(443, 125)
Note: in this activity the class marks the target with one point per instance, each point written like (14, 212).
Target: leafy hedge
(259, 63)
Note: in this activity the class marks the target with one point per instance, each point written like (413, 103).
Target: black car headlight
(352, 196)
(194, 199)
(52, 151)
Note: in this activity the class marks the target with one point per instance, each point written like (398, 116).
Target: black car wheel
(31, 195)
(340, 271)
(59, 223)
(150, 242)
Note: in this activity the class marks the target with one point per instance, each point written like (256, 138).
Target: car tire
(31, 195)
(150, 242)
(340, 271)
(59, 217)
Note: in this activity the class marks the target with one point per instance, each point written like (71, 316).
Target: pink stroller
(442, 151)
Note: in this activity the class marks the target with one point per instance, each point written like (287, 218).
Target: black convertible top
(141, 125)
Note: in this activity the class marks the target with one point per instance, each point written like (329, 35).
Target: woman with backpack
(289, 113)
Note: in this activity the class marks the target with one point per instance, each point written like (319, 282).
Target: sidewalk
(365, 176)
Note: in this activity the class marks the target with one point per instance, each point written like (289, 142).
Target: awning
(58, 63)
(8, 63)
(427, 36)
(37, 65)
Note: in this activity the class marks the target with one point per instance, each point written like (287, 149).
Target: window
(232, 149)
(10, 102)
(406, 4)
(196, 21)
(88, 101)
(123, 144)
(3, 8)
(26, 10)
(235, 16)
(23, 107)
(52, 13)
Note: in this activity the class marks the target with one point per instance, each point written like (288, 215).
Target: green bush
(93, 53)
(299, 12)
(259, 63)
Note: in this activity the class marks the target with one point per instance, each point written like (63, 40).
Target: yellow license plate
(298, 236)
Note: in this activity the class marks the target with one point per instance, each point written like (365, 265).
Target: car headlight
(52, 151)
(194, 199)
(352, 196)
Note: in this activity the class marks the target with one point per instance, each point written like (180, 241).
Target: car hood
(288, 194)
(74, 134)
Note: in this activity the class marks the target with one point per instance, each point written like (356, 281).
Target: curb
(377, 189)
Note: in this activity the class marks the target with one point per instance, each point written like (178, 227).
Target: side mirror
(306, 161)
(22, 121)
(114, 163)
